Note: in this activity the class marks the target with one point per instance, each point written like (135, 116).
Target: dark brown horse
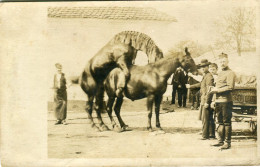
(145, 81)
(119, 52)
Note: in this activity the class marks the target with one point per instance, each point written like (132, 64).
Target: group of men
(212, 92)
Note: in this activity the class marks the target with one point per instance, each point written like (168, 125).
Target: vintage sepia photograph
(129, 83)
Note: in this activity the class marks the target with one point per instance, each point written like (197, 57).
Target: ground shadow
(173, 130)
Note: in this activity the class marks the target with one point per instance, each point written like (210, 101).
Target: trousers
(224, 115)
(208, 124)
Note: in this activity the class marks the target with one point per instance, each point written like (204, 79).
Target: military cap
(223, 55)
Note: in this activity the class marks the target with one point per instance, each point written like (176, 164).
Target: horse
(149, 81)
(119, 52)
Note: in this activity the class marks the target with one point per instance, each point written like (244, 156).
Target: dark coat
(206, 82)
(60, 98)
(62, 82)
(180, 78)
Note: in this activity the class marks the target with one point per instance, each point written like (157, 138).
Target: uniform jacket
(225, 84)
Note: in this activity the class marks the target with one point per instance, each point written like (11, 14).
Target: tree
(237, 30)
(194, 48)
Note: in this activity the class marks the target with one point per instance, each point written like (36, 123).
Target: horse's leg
(99, 107)
(89, 109)
(158, 100)
(150, 100)
(110, 103)
(123, 77)
(89, 86)
(119, 102)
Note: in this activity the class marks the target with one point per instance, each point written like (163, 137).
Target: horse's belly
(135, 93)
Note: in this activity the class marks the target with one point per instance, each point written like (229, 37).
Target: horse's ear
(187, 52)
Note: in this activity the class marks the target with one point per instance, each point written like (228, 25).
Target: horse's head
(187, 62)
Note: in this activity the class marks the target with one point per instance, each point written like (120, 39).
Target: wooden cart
(245, 106)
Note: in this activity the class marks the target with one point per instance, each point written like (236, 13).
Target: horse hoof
(104, 128)
(125, 127)
(149, 129)
(117, 129)
(160, 131)
(158, 128)
(95, 128)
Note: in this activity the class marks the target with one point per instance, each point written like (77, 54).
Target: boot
(227, 144)
(221, 132)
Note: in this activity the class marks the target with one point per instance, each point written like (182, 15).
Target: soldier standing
(224, 85)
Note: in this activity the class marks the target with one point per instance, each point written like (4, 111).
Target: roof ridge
(110, 12)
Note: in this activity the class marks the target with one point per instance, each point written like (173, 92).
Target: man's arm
(230, 83)
(196, 77)
(197, 85)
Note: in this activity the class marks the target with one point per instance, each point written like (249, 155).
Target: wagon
(245, 106)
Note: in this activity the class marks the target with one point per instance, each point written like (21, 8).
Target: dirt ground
(181, 140)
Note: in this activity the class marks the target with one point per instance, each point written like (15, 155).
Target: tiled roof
(115, 13)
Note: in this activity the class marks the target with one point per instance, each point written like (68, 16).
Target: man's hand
(206, 105)
(214, 90)
(190, 74)
(212, 105)
(179, 86)
(187, 86)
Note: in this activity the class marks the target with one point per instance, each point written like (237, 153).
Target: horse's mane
(139, 41)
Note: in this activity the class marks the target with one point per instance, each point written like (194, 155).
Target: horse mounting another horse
(119, 52)
(145, 81)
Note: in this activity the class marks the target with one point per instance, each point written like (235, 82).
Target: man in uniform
(224, 85)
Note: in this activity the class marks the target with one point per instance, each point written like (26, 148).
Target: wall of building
(73, 42)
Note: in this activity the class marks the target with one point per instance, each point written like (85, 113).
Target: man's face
(205, 69)
(223, 62)
(213, 70)
(59, 70)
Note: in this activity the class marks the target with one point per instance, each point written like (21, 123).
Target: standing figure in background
(175, 83)
(224, 85)
(182, 78)
(60, 95)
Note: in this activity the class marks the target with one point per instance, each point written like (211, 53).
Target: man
(213, 69)
(224, 85)
(175, 84)
(181, 78)
(60, 95)
(207, 114)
